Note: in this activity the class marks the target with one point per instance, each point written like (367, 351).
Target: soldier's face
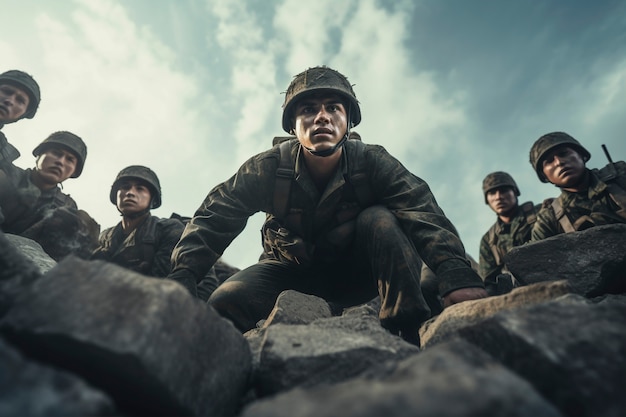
(502, 200)
(55, 165)
(563, 167)
(13, 103)
(133, 196)
(320, 121)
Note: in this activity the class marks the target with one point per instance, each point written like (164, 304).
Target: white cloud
(193, 89)
(114, 86)
(607, 96)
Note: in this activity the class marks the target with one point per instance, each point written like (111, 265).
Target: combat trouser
(381, 261)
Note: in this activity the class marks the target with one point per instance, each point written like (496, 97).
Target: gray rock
(31, 389)
(593, 260)
(33, 251)
(455, 379)
(293, 307)
(458, 316)
(146, 342)
(326, 351)
(572, 350)
(17, 272)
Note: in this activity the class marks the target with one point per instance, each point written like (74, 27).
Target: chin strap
(329, 151)
(139, 213)
(333, 149)
(135, 215)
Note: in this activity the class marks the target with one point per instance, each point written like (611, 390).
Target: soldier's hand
(463, 294)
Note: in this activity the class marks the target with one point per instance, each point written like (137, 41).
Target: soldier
(140, 241)
(34, 205)
(345, 222)
(588, 197)
(512, 227)
(19, 99)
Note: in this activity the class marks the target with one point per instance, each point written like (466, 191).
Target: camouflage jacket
(502, 237)
(225, 211)
(23, 204)
(146, 250)
(599, 205)
(8, 152)
(49, 217)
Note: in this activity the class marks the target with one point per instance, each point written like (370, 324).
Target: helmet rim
(147, 176)
(321, 79)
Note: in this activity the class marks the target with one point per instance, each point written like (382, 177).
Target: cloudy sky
(455, 89)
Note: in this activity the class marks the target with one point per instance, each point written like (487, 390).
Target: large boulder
(146, 342)
(326, 351)
(28, 388)
(572, 350)
(19, 267)
(456, 379)
(593, 260)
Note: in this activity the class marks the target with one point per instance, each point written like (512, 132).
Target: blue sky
(455, 89)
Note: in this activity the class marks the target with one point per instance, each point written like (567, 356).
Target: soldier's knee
(378, 216)
(228, 300)
(226, 295)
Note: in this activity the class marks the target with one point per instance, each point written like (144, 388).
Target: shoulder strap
(618, 195)
(148, 240)
(284, 175)
(358, 176)
(492, 243)
(565, 222)
(528, 208)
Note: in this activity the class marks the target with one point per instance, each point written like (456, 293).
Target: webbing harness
(285, 175)
(611, 175)
(528, 208)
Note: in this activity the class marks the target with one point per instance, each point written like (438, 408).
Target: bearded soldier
(346, 221)
(589, 197)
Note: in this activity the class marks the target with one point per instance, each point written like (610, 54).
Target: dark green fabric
(147, 249)
(8, 152)
(595, 203)
(49, 217)
(226, 209)
(505, 237)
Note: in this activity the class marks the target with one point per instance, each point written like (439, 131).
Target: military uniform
(146, 249)
(8, 152)
(599, 205)
(311, 249)
(502, 237)
(49, 217)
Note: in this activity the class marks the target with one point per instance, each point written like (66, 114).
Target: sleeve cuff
(455, 274)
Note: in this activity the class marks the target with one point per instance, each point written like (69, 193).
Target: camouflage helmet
(69, 141)
(496, 180)
(25, 81)
(319, 79)
(142, 173)
(550, 141)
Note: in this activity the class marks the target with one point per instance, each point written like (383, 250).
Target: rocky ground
(90, 338)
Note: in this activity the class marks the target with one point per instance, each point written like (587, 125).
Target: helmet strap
(135, 215)
(139, 213)
(333, 149)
